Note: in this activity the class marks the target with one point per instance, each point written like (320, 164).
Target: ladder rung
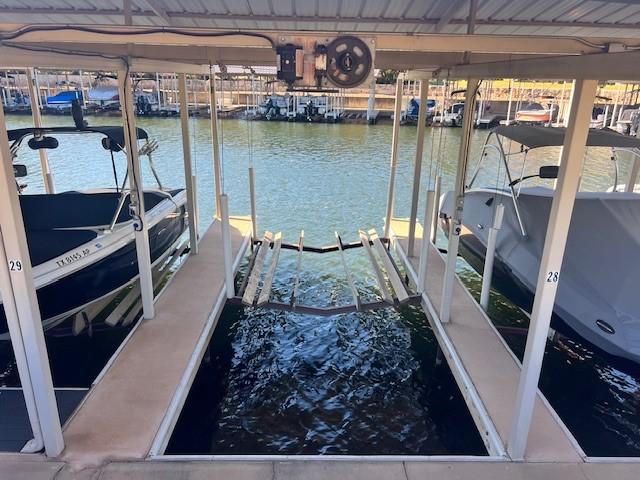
(296, 283)
(394, 278)
(254, 276)
(352, 285)
(268, 279)
(382, 284)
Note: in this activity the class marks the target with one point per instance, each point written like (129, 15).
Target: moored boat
(81, 243)
(597, 290)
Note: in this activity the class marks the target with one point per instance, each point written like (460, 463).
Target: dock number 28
(552, 277)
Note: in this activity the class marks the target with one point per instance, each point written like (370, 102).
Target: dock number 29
(15, 265)
(552, 277)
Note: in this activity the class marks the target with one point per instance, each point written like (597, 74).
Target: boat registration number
(73, 257)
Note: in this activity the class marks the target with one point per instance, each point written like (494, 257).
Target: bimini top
(116, 134)
(532, 136)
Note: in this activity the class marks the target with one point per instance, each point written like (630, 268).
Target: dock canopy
(114, 133)
(532, 136)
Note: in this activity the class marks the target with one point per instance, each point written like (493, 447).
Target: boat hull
(67, 295)
(596, 294)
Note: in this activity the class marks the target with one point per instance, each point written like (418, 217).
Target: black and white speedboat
(598, 289)
(81, 243)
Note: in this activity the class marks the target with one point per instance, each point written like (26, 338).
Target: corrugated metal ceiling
(592, 18)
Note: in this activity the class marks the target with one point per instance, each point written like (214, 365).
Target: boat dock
(486, 366)
(121, 425)
(121, 416)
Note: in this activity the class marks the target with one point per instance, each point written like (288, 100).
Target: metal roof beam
(597, 66)
(18, 58)
(117, 35)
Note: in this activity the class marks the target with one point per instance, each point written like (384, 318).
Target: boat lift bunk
(393, 289)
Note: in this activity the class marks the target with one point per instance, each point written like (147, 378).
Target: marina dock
(121, 415)
(319, 362)
(492, 368)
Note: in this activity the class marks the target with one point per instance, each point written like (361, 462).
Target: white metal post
(422, 120)
(567, 115)
(572, 158)
(37, 84)
(433, 226)
(613, 112)
(510, 101)
(226, 246)
(136, 193)
(188, 170)
(456, 220)
(487, 273)
(371, 101)
(37, 122)
(158, 92)
(426, 241)
(217, 170)
(23, 313)
(252, 197)
(394, 154)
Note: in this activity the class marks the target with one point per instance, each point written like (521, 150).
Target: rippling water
(279, 382)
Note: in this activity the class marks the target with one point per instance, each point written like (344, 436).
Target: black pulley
(349, 62)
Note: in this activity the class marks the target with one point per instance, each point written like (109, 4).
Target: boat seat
(44, 214)
(47, 244)
(77, 209)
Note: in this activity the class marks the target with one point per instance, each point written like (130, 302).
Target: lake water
(357, 383)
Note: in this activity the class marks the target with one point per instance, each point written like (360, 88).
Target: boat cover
(599, 277)
(535, 136)
(55, 224)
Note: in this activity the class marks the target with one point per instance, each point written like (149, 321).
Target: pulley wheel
(348, 62)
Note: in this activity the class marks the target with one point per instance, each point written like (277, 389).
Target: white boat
(535, 113)
(598, 289)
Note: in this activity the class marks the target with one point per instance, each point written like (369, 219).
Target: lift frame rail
(392, 288)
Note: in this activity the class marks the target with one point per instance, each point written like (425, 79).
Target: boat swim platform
(122, 414)
(479, 353)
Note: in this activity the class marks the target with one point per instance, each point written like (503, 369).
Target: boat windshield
(530, 137)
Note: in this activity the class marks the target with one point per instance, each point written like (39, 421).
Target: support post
(158, 92)
(571, 161)
(252, 197)
(433, 232)
(217, 170)
(426, 241)
(188, 170)
(23, 313)
(422, 120)
(226, 246)
(508, 122)
(487, 273)
(136, 193)
(456, 220)
(371, 101)
(394, 154)
(47, 178)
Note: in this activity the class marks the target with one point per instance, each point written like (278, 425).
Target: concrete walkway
(14, 469)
